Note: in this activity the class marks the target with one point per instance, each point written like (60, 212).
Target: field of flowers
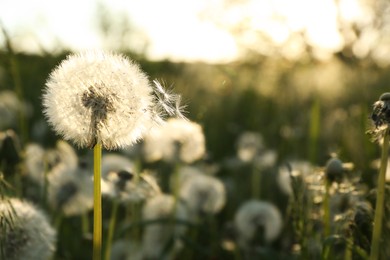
(262, 159)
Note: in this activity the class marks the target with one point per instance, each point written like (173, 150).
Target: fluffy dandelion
(158, 234)
(254, 216)
(39, 161)
(202, 194)
(177, 140)
(98, 99)
(25, 232)
(249, 144)
(121, 181)
(101, 96)
(70, 189)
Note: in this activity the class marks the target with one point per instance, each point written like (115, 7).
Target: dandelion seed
(101, 96)
(25, 232)
(177, 140)
(254, 215)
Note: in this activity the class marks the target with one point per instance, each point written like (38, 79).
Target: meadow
(274, 162)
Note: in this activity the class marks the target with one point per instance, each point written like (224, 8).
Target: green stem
(97, 202)
(256, 182)
(380, 198)
(111, 229)
(326, 218)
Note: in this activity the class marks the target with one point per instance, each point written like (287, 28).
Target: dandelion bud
(101, 96)
(334, 169)
(25, 232)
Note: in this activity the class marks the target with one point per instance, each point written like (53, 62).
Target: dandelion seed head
(177, 140)
(254, 214)
(25, 232)
(70, 189)
(120, 180)
(203, 194)
(249, 144)
(39, 161)
(102, 96)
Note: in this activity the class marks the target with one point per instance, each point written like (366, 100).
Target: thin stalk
(111, 228)
(256, 182)
(326, 217)
(380, 198)
(97, 202)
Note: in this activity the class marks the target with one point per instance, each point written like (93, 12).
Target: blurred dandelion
(10, 108)
(257, 219)
(25, 232)
(202, 194)
(249, 145)
(70, 189)
(121, 181)
(178, 140)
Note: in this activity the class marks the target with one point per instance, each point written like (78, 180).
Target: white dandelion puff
(202, 194)
(70, 189)
(177, 140)
(25, 232)
(101, 96)
(254, 216)
(39, 161)
(249, 144)
(120, 180)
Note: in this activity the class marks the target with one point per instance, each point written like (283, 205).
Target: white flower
(177, 140)
(70, 190)
(256, 214)
(102, 96)
(120, 180)
(202, 193)
(10, 107)
(25, 232)
(39, 161)
(157, 235)
(249, 144)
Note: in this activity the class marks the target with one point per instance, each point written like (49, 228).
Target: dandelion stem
(380, 197)
(97, 202)
(111, 229)
(326, 217)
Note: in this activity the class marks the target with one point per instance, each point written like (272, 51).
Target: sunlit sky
(176, 29)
